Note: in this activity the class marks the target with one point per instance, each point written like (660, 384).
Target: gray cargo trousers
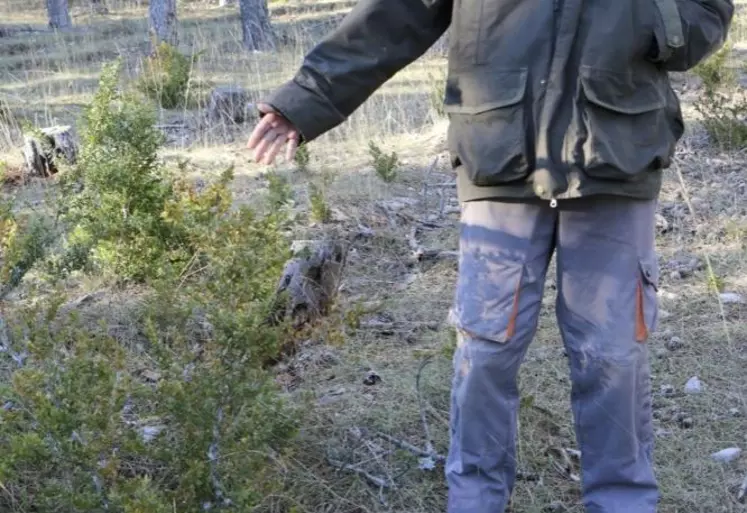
(607, 274)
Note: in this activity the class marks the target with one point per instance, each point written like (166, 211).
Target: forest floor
(368, 380)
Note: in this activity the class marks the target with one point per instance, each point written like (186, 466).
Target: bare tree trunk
(59, 15)
(163, 21)
(255, 24)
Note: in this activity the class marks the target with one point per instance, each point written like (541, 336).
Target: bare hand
(270, 135)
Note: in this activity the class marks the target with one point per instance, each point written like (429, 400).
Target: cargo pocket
(624, 127)
(487, 133)
(487, 296)
(646, 307)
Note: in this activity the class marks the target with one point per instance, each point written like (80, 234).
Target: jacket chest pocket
(488, 129)
(621, 125)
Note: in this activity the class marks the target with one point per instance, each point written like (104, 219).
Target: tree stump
(228, 104)
(41, 152)
(310, 280)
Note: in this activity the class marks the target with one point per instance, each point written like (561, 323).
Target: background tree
(59, 14)
(255, 25)
(162, 18)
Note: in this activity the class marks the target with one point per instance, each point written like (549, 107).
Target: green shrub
(320, 211)
(279, 190)
(82, 432)
(715, 72)
(384, 165)
(724, 116)
(166, 76)
(302, 157)
(24, 239)
(437, 93)
(184, 418)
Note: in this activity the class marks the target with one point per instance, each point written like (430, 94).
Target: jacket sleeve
(689, 31)
(372, 43)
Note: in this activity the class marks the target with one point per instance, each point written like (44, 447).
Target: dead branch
(407, 446)
(390, 328)
(375, 480)
(310, 280)
(428, 440)
(419, 254)
(742, 492)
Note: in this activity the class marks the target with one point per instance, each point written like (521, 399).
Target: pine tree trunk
(255, 24)
(163, 21)
(59, 15)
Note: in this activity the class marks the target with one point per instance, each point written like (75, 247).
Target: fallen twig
(419, 254)
(407, 446)
(390, 328)
(429, 449)
(742, 492)
(381, 482)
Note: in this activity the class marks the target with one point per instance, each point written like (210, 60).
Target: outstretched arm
(688, 31)
(375, 41)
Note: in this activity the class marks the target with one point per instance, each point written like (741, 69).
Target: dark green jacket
(549, 98)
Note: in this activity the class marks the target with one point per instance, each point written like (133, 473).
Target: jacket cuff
(309, 112)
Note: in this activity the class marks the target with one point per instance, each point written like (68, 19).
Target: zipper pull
(553, 203)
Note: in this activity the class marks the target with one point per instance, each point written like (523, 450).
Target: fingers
(265, 124)
(290, 149)
(271, 133)
(268, 138)
(274, 149)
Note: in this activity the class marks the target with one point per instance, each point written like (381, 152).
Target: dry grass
(45, 78)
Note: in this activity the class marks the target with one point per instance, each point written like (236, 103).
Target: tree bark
(43, 152)
(162, 17)
(59, 14)
(255, 24)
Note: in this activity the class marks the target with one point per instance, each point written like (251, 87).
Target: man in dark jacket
(562, 120)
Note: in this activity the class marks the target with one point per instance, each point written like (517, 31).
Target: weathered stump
(42, 152)
(228, 104)
(310, 280)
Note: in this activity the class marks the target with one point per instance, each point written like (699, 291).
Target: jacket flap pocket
(650, 271)
(624, 93)
(473, 92)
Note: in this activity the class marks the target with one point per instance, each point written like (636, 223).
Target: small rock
(151, 375)
(667, 390)
(662, 224)
(675, 275)
(674, 343)
(331, 396)
(661, 433)
(663, 314)
(149, 433)
(686, 422)
(693, 386)
(727, 455)
(372, 379)
(660, 353)
(555, 507)
(731, 298)
(669, 296)
(735, 412)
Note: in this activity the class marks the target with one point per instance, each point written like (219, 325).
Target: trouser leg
(505, 248)
(606, 307)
